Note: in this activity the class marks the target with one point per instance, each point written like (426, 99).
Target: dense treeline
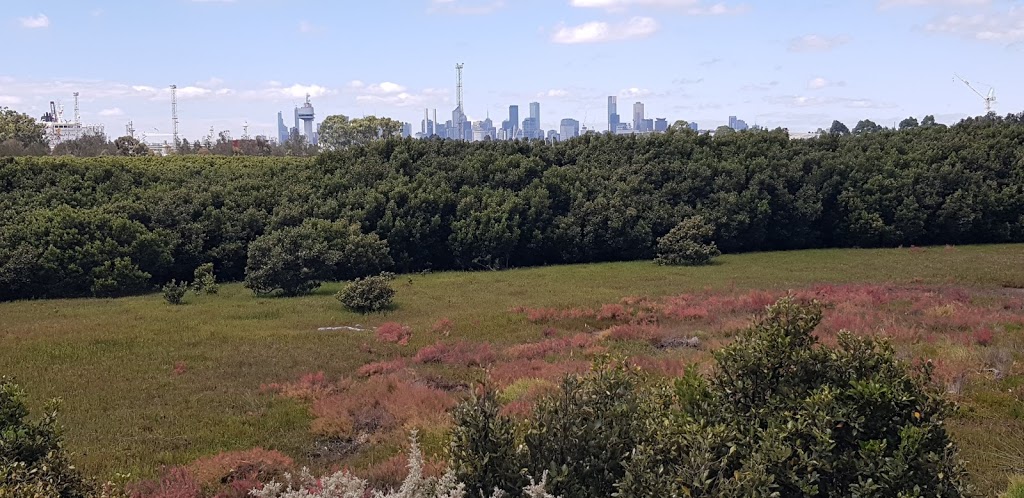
(71, 227)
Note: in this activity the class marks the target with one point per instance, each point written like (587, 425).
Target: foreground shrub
(689, 243)
(203, 279)
(785, 415)
(483, 449)
(368, 295)
(781, 415)
(174, 292)
(295, 260)
(33, 461)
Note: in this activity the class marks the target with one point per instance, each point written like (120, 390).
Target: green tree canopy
(339, 131)
(21, 135)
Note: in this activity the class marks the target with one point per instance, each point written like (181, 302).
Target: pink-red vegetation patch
(174, 482)
(551, 347)
(245, 468)
(179, 368)
(461, 353)
(983, 336)
(390, 473)
(394, 333)
(382, 367)
(503, 374)
(443, 326)
(674, 366)
(628, 332)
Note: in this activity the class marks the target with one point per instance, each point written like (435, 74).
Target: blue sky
(796, 63)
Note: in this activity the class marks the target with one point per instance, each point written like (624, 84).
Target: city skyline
(797, 65)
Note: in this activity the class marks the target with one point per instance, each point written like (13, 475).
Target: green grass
(126, 411)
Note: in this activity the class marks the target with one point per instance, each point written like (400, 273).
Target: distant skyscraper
(693, 126)
(406, 130)
(638, 116)
(647, 125)
(531, 129)
(737, 124)
(553, 135)
(535, 114)
(513, 119)
(282, 129)
(569, 128)
(661, 125)
(613, 113)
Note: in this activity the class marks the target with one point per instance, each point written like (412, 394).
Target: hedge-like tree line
(114, 225)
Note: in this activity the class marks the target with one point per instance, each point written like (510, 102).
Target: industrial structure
(58, 130)
(989, 98)
(306, 115)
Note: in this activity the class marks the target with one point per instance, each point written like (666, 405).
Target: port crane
(989, 99)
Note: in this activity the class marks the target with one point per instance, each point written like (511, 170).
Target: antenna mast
(130, 129)
(458, 100)
(174, 115)
(78, 115)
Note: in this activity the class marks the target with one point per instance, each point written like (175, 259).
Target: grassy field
(147, 384)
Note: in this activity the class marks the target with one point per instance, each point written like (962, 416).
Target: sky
(796, 64)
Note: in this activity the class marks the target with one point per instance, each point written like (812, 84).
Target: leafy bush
(33, 461)
(119, 277)
(483, 452)
(203, 279)
(368, 295)
(174, 292)
(689, 243)
(295, 260)
(781, 415)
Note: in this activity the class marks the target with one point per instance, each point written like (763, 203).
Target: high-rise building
(531, 129)
(406, 130)
(553, 135)
(737, 124)
(569, 128)
(282, 129)
(647, 125)
(513, 120)
(693, 126)
(459, 123)
(535, 114)
(613, 113)
(638, 117)
(661, 125)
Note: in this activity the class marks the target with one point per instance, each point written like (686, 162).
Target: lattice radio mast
(78, 115)
(174, 115)
(458, 100)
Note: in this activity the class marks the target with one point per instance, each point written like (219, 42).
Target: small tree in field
(203, 280)
(689, 243)
(368, 295)
(174, 292)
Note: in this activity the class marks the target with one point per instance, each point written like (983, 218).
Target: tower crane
(989, 99)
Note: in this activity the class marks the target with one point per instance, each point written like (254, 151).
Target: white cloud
(356, 84)
(465, 7)
(817, 43)
(556, 93)
(821, 83)
(9, 100)
(995, 27)
(34, 22)
(295, 91)
(888, 4)
(819, 101)
(691, 7)
(383, 88)
(213, 82)
(116, 111)
(598, 31)
(634, 92)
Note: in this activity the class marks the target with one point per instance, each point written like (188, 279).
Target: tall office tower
(513, 119)
(531, 129)
(282, 129)
(638, 117)
(535, 114)
(569, 128)
(661, 125)
(737, 124)
(613, 113)
(406, 130)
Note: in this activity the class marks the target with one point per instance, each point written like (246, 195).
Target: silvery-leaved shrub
(368, 295)
(203, 280)
(689, 243)
(174, 292)
(343, 484)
